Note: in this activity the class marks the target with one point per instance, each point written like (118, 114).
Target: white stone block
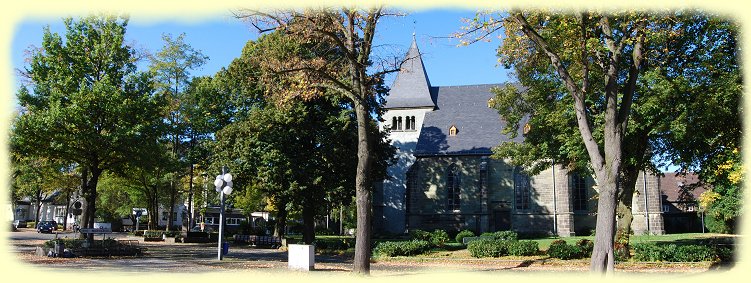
(301, 257)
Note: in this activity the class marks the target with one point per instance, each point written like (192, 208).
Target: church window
(407, 124)
(579, 191)
(521, 190)
(453, 188)
(399, 123)
(452, 131)
(393, 123)
(412, 186)
(412, 126)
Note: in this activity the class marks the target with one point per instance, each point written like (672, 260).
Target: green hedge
(522, 248)
(502, 235)
(436, 238)
(560, 249)
(679, 253)
(463, 234)
(402, 248)
(487, 248)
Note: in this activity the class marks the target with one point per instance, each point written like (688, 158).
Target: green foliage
(679, 253)
(502, 235)
(560, 249)
(464, 233)
(403, 248)
(418, 234)
(487, 248)
(586, 247)
(523, 248)
(438, 238)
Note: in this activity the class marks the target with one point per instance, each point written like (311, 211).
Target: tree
(349, 32)
(89, 105)
(171, 66)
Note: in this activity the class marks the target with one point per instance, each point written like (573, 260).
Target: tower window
(393, 123)
(412, 126)
(408, 124)
(453, 187)
(521, 190)
(579, 191)
(399, 123)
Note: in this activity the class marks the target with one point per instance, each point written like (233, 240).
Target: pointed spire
(411, 87)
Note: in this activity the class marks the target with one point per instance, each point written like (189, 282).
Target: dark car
(45, 227)
(19, 223)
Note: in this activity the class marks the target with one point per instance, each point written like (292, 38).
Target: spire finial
(414, 28)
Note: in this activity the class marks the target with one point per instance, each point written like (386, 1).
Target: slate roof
(677, 188)
(411, 87)
(466, 107)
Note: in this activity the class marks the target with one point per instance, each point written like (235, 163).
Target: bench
(259, 241)
(197, 237)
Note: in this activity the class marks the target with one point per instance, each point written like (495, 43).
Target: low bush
(419, 235)
(502, 235)
(678, 253)
(560, 249)
(438, 238)
(487, 248)
(586, 247)
(463, 234)
(402, 248)
(522, 248)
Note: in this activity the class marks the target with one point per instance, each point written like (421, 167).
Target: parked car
(45, 227)
(19, 223)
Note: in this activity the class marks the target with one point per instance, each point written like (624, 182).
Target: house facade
(444, 177)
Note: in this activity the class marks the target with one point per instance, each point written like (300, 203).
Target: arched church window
(413, 123)
(393, 123)
(412, 186)
(453, 186)
(522, 189)
(399, 123)
(408, 123)
(579, 192)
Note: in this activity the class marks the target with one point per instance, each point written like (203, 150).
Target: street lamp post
(223, 184)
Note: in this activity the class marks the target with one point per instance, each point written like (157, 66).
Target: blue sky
(223, 38)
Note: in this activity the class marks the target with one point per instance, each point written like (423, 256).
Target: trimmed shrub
(461, 235)
(419, 235)
(403, 248)
(586, 247)
(502, 235)
(676, 253)
(487, 248)
(522, 248)
(438, 238)
(560, 249)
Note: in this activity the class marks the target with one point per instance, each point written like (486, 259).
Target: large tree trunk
(362, 192)
(172, 200)
(91, 199)
(281, 219)
(308, 220)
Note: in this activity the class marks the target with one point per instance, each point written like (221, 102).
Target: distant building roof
(681, 188)
(465, 107)
(411, 87)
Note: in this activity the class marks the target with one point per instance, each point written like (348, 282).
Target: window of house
(60, 211)
(521, 190)
(209, 220)
(165, 215)
(453, 185)
(412, 186)
(452, 131)
(234, 221)
(579, 192)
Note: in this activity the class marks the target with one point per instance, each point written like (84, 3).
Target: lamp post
(223, 184)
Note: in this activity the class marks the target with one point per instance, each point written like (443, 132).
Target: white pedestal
(301, 257)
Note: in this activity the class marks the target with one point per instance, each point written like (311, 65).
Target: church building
(446, 179)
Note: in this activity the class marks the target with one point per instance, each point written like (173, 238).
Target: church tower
(408, 101)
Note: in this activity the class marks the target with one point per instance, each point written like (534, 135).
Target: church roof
(465, 107)
(411, 87)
